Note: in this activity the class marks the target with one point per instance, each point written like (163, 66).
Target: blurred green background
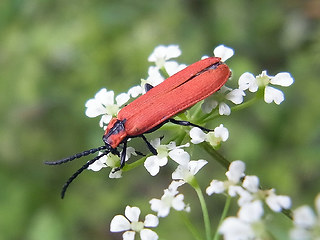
(54, 55)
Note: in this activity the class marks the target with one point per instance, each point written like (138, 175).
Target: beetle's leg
(147, 87)
(123, 155)
(187, 123)
(151, 148)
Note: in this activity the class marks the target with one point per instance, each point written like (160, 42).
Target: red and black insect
(155, 108)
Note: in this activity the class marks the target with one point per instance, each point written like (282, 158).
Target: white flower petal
(132, 213)
(180, 156)
(208, 104)
(248, 81)
(105, 119)
(177, 202)
(173, 67)
(152, 165)
(215, 187)
(151, 221)
(236, 96)
(181, 172)
(273, 95)
(115, 174)
(221, 132)
(236, 171)
(251, 183)
(163, 53)
(251, 212)
(197, 135)
(223, 52)
(122, 98)
(158, 206)
(128, 235)
(94, 108)
(233, 228)
(277, 203)
(174, 186)
(119, 223)
(97, 166)
(147, 234)
(304, 217)
(195, 166)
(224, 109)
(282, 79)
(300, 234)
(105, 97)
(135, 91)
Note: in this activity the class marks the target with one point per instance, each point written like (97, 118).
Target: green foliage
(54, 55)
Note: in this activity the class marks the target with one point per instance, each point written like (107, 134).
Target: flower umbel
(130, 224)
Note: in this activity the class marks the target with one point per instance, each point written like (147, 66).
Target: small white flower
(163, 53)
(111, 160)
(173, 67)
(218, 100)
(153, 163)
(233, 228)
(187, 172)
(170, 199)
(130, 224)
(236, 171)
(244, 226)
(215, 186)
(220, 134)
(306, 222)
(223, 52)
(234, 174)
(271, 94)
(251, 211)
(103, 104)
(251, 183)
(277, 202)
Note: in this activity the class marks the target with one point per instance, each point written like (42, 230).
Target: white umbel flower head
(130, 224)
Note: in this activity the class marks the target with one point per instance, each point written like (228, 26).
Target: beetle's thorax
(115, 133)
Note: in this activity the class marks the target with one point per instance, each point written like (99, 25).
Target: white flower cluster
(248, 222)
(306, 222)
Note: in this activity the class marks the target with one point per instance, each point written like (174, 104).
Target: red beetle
(157, 107)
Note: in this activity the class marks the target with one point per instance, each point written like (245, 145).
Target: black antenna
(80, 170)
(78, 155)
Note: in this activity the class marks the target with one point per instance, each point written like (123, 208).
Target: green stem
(190, 226)
(223, 216)
(135, 164)
(245, 104)
(217, 156)
(204, 209)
